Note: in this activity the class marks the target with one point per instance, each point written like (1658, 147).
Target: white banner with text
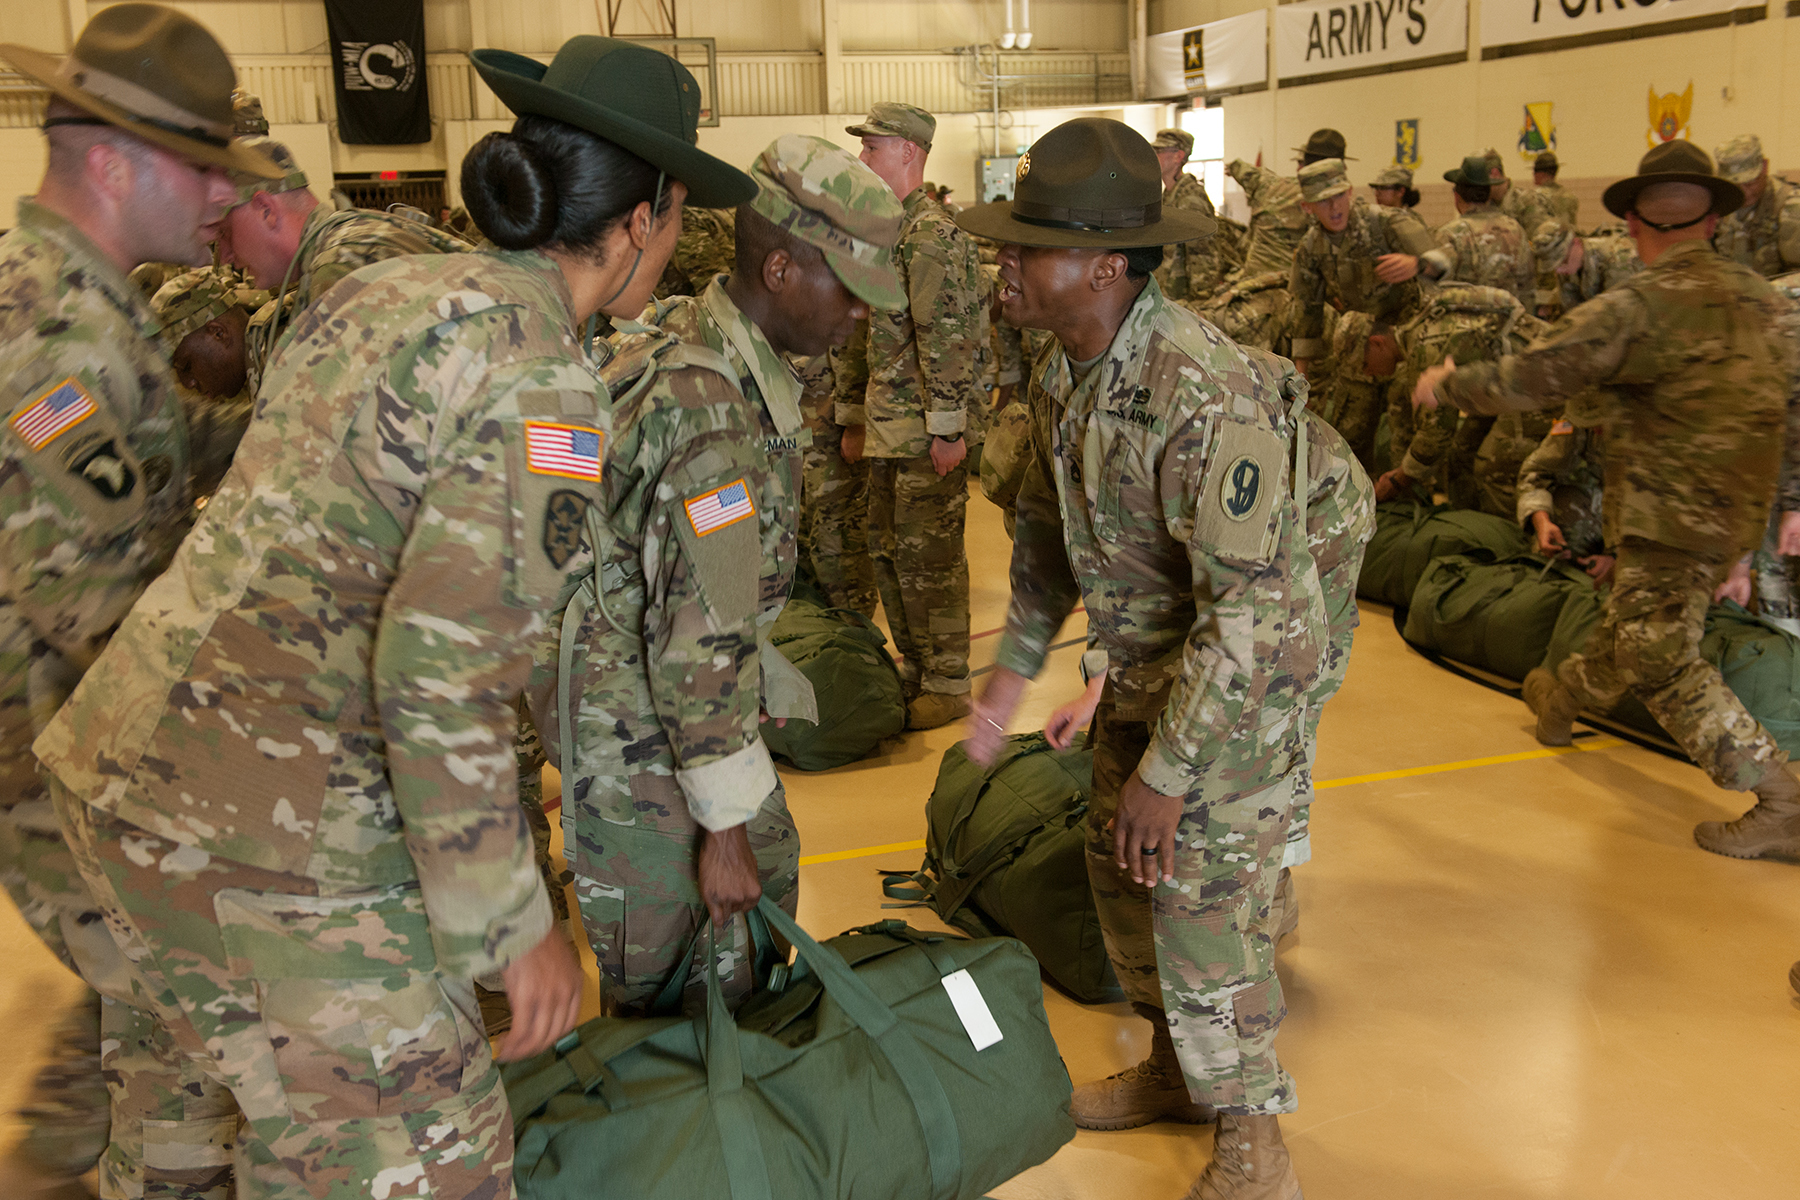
(1327, 36)
(1510, 22)
(1232, 53)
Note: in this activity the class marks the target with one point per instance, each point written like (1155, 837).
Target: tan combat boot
(1772, 827)
(932, 709)
(1154, 1090)
(1250, 1162)
(1554, 706)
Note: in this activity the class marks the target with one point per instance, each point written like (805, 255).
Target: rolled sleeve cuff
(506, 939)
(1415, 470)
(1532, 502)
(1015, 655)
(1309, 347)
(849, 414)
(1439, 262)
(729, 791)
(1164, 773)
(1094, 664)
(946, 424)
(1009, 376)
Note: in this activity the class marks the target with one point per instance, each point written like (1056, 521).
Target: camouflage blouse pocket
(1127, 484)
(371, 935)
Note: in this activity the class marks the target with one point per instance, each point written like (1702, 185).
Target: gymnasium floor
(1515, 978)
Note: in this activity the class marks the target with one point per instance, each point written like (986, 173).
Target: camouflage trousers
(638, 889)
(1199, 953)
(1648, 643)
(1776, 580)
(1353, 407)
(834, 524)
(1503, 450)
(916, 522)
(1461, 484)
(314, 1062)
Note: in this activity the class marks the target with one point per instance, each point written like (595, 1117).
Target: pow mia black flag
(378, 53)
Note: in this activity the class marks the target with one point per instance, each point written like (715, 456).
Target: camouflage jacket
(697, 522)
(1487, 247)
(1607, 260)
(1565, 477)
(333, 244)
(1559, 201)
(324, 683)
(1252, 311)
(1339, 269)
(707, 246)
(1464, 321)
(922, 360)
(1764, 236)
(1189, 269)
(1160, 493)
(1277, 222)
(1525, 206)
(98, 460)
(1691, 378)
(1788, 493)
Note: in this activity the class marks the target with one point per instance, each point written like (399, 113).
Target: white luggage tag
(977, 1021)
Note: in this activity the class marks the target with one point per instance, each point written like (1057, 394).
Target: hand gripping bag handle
(937, 1120)
(746, 1170)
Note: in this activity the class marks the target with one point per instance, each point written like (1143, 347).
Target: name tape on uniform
(571, 451)
(972, 1010)
(720, 507)
(54, 413)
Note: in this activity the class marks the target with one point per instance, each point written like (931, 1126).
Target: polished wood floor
(1516, 977)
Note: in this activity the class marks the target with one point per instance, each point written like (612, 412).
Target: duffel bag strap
(764, 956)
(937, 1121)
(574, 1067)
(746, 1170)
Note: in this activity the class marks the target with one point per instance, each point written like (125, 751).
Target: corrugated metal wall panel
(763, 85)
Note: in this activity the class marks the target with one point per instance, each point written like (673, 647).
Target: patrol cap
(1324, 143)
(1496, 165)
(824, 196)
(191, 300)
(1393, 177)
(1091, 182)
(1174, 139)
(890, 118)
(1323, 179)
(1741, 159)
(247, 114)
(291, 180)
(1552, 241)
(1546, 162)
(1473, 172)
(1679, 161)
(156, 73)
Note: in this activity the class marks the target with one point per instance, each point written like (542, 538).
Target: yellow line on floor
(1604, 743)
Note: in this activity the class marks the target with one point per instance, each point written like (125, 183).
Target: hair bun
(510, 192)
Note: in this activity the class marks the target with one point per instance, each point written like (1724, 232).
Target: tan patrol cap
(1174, 139)
(1322, 180)
(824, 196)
(191, 300)
(1393, 177)
(292, 179)
(890, 118)
(1741, 159)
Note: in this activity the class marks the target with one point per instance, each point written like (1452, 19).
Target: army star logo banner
(1211, 57)
(378, 71)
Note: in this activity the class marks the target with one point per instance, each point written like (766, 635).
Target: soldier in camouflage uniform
(1178, 527)
(97, 461)
(922, 399)
(296, 248)
(1764, 234)
(1587, 265)
(1482, 245)
(1277, 223)
(1559, 495)
(1252, 311)
(1701, 383)
(1190, 271)
(671, 805)
(836, 513)
(290, 777)
(202, 315)
(1559, 200)
(1393, 188)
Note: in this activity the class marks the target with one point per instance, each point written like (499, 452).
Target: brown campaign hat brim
(46, 70)
(996, 221)
(1621, 197)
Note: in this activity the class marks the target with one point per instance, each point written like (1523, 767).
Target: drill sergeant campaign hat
(1474, 172)
(1741, 159)
(1679, 161)
(890, 118)
(633, 96)
(824, 196)
(1546, 162)
(1324, 143)
(157, 74)
(1089, 182)
(1174, 139)
(291, 180)
(1322, 180)
(1393, 177)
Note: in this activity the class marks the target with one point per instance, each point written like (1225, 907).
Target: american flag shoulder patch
(52, 414)
(720, 507)
(571, 451)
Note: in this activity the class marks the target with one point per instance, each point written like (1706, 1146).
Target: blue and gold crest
(1406, 143)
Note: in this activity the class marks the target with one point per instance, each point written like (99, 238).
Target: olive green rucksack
(854, 681)
(1409, 535)
(1499, 616)
(1005, 854)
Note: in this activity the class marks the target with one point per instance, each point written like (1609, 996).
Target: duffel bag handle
(937, 1121)
(763, 955)
(746, 1170)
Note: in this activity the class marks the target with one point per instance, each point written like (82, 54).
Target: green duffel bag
(1409, 536)
(856, 1074)
(854, 681)
(1005, 854)
(1499, 616)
